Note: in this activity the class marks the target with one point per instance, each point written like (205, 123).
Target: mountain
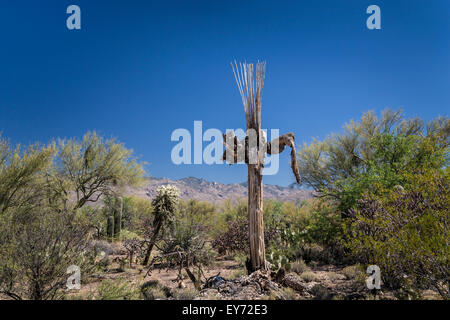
(200, 189)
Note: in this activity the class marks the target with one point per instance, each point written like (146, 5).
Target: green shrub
(351, 272)
(185, 294)
(309, 276)
(286, 294)
(321, 293)
(333, 276)
(238, 273)
(299, 266)
(240, 258)
(117, 289)
(153, 290)
(406, 233)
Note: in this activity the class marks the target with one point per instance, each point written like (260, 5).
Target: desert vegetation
(381, 198)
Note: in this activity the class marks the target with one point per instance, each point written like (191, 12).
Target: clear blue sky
(137, 70)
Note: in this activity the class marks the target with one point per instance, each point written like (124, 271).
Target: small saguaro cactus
(110, 227)
(118, 208)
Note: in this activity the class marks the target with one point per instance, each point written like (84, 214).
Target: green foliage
(186, 248)
(352, 272)
(371, 152)
(153, 290)
(91, 168)
(323, 225)
(285, 293)
(21, 172)
(405, 232)
(202, 213)
(299, 266)
(321, 293)
(309, 276)
(36, 248)
(278, 259)
(44, 224)
(185, 294)
(117, 289)
(136, 212)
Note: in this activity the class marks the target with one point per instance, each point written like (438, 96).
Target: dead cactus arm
(278, 145)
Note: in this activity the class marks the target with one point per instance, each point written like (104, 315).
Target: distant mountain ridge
(214, 192)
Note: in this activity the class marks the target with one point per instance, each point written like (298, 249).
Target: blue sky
(137, 70)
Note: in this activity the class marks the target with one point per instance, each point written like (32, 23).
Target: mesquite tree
(252, 151)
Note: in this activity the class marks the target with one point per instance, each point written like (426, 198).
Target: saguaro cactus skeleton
(252, 151)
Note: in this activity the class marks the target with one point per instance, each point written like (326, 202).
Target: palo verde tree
(252, 151)
(164, 208)
(372, 151)
(91, 168)
(42, 192)
(20, 173)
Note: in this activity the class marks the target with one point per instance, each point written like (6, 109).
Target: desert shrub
(308, 276)
(285, 293)
(87, 296)
(238, 273)
(321, 293)
(104, 263)
(235, 210)
(134, 214)
(372, 151)
(134, 248)
(299, 266)
(185, 294)
(128, 235)
(202, 213)
(153, 290)
(310, 252)
(240, 258)
(234, 239)
(43, 227)
(102, 246)
(333, 276)
(405, 232)
(323, 225)
(117, 289)
(185, 248)
(37, 245)
(351, 272)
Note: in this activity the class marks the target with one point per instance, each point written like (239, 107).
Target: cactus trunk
(118, 217)
(110, 227)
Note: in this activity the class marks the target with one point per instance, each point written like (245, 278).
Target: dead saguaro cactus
(252, 151)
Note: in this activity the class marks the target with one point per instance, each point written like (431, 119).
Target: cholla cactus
(164, 207)
(165, 202)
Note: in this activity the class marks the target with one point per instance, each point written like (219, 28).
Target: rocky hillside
(200, 189)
